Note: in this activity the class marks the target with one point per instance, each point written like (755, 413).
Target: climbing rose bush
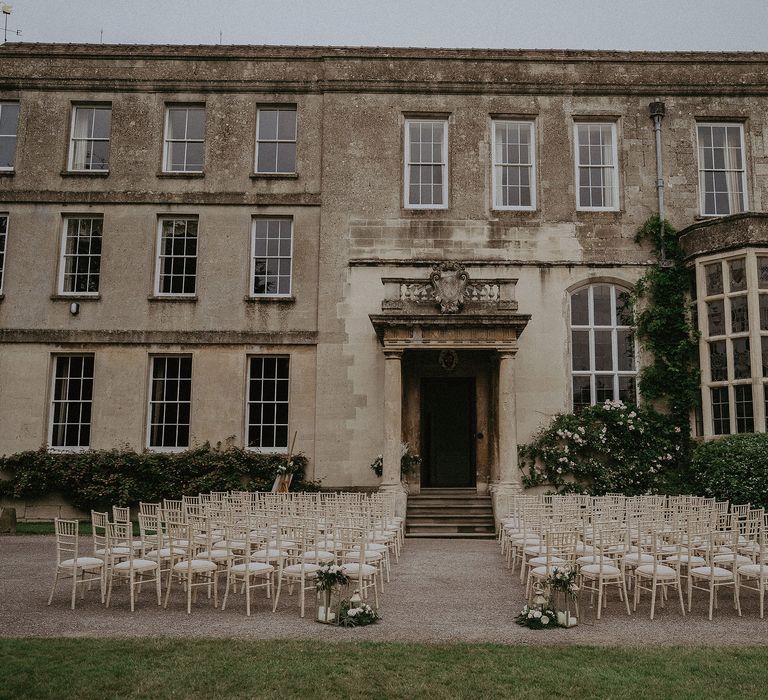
(610, 447)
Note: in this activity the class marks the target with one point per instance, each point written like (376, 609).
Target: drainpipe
(656, 111)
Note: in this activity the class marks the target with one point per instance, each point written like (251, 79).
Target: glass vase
(329, 604)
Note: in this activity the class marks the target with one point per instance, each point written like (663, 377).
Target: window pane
(286, 126)
(628, 389)
(714, 276)
(267, 405)
(745, 422)
(603, 350)
(602, 304)
(603, 388)
(737, 275)
(267, 124)
(9, 118)
(581, 392)
(718, 361)
(169, 406)
(196, 123)
(716, 317)
(742, 368)
(286, 157)
(580, 342)
(764, 312)
(762, 272)
(625, 340)
(739, 316)
(71, 404)
(580, 308)
(721, 416)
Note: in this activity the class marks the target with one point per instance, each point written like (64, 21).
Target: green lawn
(167, 668)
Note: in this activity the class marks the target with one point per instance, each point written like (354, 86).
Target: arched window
(603, 364)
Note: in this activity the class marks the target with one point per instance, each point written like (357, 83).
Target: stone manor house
(359, 246)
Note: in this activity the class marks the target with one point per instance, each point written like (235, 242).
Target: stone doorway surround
(450, 311)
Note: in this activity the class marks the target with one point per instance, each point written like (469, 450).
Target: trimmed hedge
(100, 478)
(733, 468)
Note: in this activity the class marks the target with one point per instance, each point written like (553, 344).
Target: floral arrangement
(563, 580)
(537, 617)
(330, 575)
(357, 614)
(611, 446)
(409, 462)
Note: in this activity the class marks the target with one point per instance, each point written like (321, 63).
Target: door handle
(479, 436)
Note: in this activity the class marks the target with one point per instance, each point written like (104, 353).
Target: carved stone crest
(449, 280)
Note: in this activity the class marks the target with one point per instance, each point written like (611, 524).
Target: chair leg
(168, 588)
(157, 585)
(680, 594)
(599, 597)
(53, 589)
(653, 596)
(74, 586)
(189, 593)
(277, 592)
(247, 593)
(711, 597)
(131, 584)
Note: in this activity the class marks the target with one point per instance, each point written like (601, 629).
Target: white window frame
(73, 140)
(53, 401)
(252, 278)
(63, 256)
(531, 123)
(266, 450)
(150, 402)
(4, 248)
(407, 163)
(15, 136)
(167, 141)
(614, 168)
(294, 141)
(615, 373)
(755, 333)
(159, 255)
(700, 167)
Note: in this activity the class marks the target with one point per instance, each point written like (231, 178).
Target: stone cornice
(152, 337)
(291, 69)
(24, 196)
(725, 233)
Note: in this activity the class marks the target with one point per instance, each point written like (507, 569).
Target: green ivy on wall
(664, 328)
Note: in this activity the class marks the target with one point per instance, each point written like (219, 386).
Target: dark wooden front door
(447, 432)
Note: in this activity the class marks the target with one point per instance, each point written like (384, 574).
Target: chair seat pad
(319, 554)
(267, 554)
(537, 549)
(254, 567)
(707, 571)
(370, 547)
(754, 570)
(284, 544)
(690, 559)
(543, 571)
(357, 570)
(197, 565)
(594, 570)
(635, 557)
(542, 561)
(215, 554)
(295, 569)
(593, 559)
(737, 559)
(369, 556)
(229, 544)
(82, 563)
(112, 550)
(138, 565)
(661, 571)
(165, 552)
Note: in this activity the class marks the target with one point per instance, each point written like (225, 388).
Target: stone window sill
(7, 173)
(180, 175)
(85, 173)
(75, 297)
(257, 300)
(274, 176)
(172, 298)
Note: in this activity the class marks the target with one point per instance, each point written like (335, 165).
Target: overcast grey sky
(710, 25)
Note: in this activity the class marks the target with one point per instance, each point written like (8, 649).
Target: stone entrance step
(450, 513)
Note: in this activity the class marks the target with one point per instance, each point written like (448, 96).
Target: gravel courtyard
(441, 591)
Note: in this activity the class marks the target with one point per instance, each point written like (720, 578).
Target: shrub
(733, 468)
(100, 478)
(610, 447)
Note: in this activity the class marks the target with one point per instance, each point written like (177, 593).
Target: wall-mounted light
(74, 308)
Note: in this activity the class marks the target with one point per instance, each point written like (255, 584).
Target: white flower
(544, 620)
(352, 612)
(537, 614)
(530, 614)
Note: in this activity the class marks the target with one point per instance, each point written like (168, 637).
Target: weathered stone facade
(352, 232)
